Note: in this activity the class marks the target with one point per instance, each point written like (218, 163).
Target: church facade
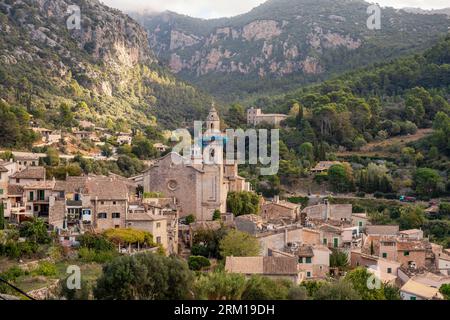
(199, 186)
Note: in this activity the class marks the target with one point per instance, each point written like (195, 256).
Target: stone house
(413, 234)
(99, 203)
(138, 218)
(160, 147)
(27, 176)
(327, 211)
(15, 207)
(412, 254)
(37, 198)
(331, 236)
(324, 166)
(48, 136)
(124, 138)
(285, 268)
(256, 117)
(360, 220)
(280, 210)
(28, 160)
(314, 260)
(381, 265)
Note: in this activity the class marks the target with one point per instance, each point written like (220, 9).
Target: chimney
(276, 199)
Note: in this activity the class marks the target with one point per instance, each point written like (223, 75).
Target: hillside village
(104, 197)
(177, 204)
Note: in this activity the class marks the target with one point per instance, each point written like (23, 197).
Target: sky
(226, 8)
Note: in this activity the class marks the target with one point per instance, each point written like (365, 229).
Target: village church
(199, 187)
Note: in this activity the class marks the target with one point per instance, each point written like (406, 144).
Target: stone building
(277, 210)
(256, 117)
(199, 183)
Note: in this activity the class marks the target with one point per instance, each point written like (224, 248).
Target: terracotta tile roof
(30, 173)
(106, 189)
(382, 230)
(72, 184)
(143, 216)
(246, 265)
(305, 251)
(412, 245)
(262, 265)
(286, 204)
(411, 231)
(15, 190)
(330, 228)
(280, 265)
(421, 290)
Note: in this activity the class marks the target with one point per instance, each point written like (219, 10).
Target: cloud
(228, 8)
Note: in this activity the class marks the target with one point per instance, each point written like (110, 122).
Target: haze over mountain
(282, 44)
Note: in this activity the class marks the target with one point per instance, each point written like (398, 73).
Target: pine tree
(2, 216)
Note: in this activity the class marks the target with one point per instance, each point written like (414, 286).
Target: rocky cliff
(302, 39)
(106, 62)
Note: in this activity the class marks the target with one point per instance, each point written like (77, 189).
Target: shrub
(197, 263)
(129, 236)
(46, 269)
(391, 196)
(95, 241)
(13, 273)
(378, 195)
(361, 194)
(90, 255)
(16, 250)
(190, 219)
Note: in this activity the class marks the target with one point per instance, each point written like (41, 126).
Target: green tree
(66, 118)
(360, 279)
(263, 288)
(239, 244)
(52, 157)
(144, 277)
(217, 216)
(2, 216)
(337, 290)
(307, 152)
(341, 178)
(339, 259)
(143, 148)
(219, 286)
(445, 290)
(35, 231)
(236, 116)
(197, 263)
(411, 217)
(241, 203)
(190, 219)
(428, 182)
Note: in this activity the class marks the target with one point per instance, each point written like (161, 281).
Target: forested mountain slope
(283, 43)
(105, 71)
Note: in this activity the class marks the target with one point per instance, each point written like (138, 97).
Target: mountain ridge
(307, 41)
